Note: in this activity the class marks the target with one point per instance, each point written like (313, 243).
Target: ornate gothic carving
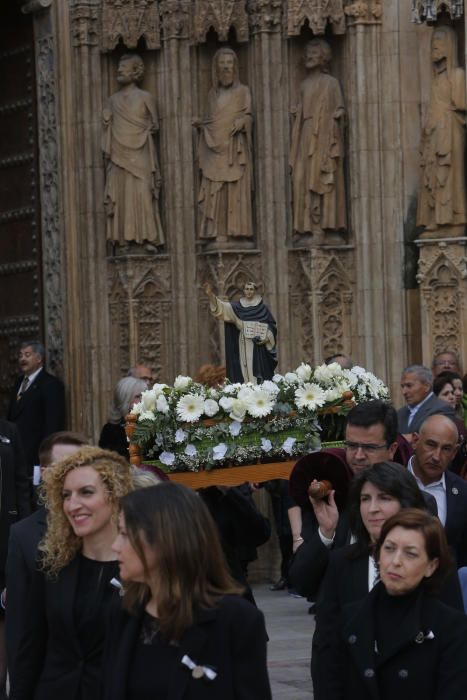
(84, 22)
(176, 19)
(141, 308)
(301, 306)
(49, 168)
(130, 20)
(335, 299)
(364, 12)
(428, 10)
(318, 13)
(221, 15)
(265, 15)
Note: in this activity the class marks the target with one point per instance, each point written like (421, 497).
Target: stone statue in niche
(132, 170)
(317, 150)
(224, 152)
(442, 207)
(250, 335)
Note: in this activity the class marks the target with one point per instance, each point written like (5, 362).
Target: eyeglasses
(368, 449)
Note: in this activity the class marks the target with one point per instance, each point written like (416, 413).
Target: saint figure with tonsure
(132, 169)
(224, 153)
(250, 335)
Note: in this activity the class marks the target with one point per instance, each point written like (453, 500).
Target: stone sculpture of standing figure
(442, 198)
(317, 150)
(132, 169)
(225, 154)
(250, 335)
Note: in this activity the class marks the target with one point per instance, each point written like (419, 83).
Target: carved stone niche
(130, 21)
(334, 300)
(301, 307)
(141, 312)
(318, 13)
(222, 16)
(443, 287)
(227, 274)
(428, 10)
(84, 22)
(265, 15)
(364, 12)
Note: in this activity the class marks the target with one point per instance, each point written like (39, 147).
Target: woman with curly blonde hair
(62, 639)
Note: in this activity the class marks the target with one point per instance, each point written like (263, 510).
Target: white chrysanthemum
(237, 410)
(291, 378)
(147, 415)
(333, 394)
(190, 408)
(182, 382)
(351, 378)
(310, 396)
(226, 403)
(159, 388)
(211, 407)
(148, 399)
(137, 409)
(303, 372)
(245, 392)
(213, 393)
(270, 387)
(278, 378)
(162, 405)
(231, 388)
(260, 404)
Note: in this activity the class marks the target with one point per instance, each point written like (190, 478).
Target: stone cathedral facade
(371, 277)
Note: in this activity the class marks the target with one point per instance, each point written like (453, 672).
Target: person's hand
(326, 513)
(239, 125)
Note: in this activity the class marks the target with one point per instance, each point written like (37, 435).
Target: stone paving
(290, 630)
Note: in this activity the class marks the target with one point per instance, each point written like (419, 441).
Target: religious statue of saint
(224, 154)
(442, 197)
(317, 148)
(250, 335)
(132, 169)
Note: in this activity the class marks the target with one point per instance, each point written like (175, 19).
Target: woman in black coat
(184, 633)
(401, 641)
(62, 640)
(113, 436)
(376, 494)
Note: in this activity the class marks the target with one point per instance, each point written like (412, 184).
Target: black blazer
(431, 407)
(50, 662)
(39, 412)
(424, 658)
(456, 516)
(20, 568)
(14, 487)
(230, 638)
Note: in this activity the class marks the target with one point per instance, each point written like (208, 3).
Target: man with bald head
(435, 446)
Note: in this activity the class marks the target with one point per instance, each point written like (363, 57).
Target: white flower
(137, 409)
(288, 445)
(147, 415)
(245, 392)
(310, 396)
(333, 394)
(237, 410)
(211, 407)
(191, 451)
(231, 388)
(159, 388)
(162, 404)
(190, 408)
(291, 378)
(304, 372)
(219, 451)
(226, 403)
(266, 445)
(148, 399)
(277, 378)
(182, 382)
(180, 435)
(270, 387)
(235, 428)
(260, 404)
(213, 393)
(167, 458)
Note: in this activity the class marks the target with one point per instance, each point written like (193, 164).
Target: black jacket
(20, 568)
(39, 412)
(423, 658)
(14, 487)
(230, 638)
(456, 516)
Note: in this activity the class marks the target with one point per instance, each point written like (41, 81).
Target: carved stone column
(442, 275)
(376, 184)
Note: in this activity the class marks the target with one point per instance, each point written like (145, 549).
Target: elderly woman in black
(184, 632)
(402, 641)
(377, 493)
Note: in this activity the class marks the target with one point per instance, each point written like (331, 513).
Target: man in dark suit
(416, 386)
(37, 404)
(435, 445)
(24, 540)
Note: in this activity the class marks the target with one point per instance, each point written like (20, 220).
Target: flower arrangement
(191, 426)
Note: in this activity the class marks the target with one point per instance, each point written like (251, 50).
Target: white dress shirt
(436, 489)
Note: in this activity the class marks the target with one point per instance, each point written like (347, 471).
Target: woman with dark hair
(376, 494)
(443, 388)
(184, 632)
(401, 641)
